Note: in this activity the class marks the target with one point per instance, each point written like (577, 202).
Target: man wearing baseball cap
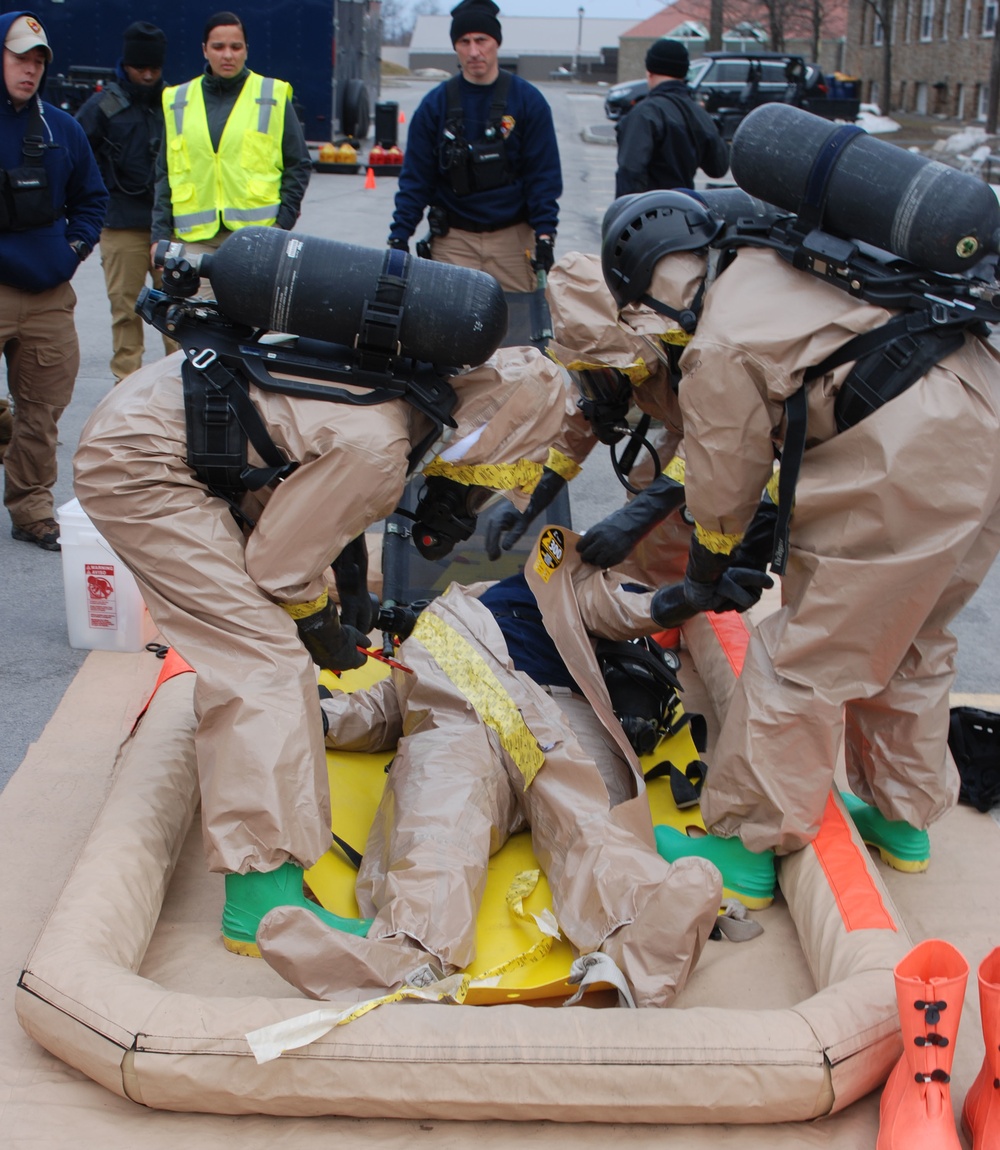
(482, 156)
(124, 124)
(665, 139)
(52, 202)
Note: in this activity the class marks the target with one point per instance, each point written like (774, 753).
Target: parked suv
(730, 84)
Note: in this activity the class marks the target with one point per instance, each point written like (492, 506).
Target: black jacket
(665, 139)
(124, 124)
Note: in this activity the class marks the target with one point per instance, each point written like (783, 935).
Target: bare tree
(715, 25)
(885, 14)
(994, 92)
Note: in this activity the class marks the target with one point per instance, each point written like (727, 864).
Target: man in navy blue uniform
(52, 203)
(482, 157)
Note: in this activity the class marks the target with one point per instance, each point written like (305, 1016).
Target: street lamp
(579, 40)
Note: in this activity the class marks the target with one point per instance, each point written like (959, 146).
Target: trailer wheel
(355, 116)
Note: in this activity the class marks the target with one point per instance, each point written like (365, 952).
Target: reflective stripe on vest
(241, 183)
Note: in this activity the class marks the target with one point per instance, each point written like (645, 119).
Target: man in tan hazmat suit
(484, 750)
(225, 597)
(612, 368)
(896, 521)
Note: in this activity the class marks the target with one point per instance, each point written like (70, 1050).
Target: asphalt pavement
(36, 661)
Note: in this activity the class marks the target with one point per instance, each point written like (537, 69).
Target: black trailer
(328, 50)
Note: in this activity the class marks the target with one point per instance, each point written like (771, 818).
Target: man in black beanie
(665, 139)
(482, 156)
(124, 124)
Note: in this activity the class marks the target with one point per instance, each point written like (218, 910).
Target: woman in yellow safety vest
(233, 151)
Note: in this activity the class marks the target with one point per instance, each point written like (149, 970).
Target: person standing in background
(665, 139)
(52, 202)
(233, 152)
(482, 156)
(124, 124)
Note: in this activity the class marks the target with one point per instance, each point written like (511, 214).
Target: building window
(878, 33)
(873, 94)
(959, 101)
(945, 19)
(967, 19)
(989, 17)
(982, 93)
(926, 20)
(902, 96)
(907, 21)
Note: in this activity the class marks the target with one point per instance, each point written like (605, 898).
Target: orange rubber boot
(981, 1111)
(915, 1112)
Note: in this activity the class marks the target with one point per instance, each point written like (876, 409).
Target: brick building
(940, 55)
(745, 30)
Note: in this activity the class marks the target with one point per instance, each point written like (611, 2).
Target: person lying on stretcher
(504, 721)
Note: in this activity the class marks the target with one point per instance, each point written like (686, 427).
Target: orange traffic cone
(370, 178)
(402, 117)
(916, 1112)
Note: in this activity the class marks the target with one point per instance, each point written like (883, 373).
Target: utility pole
(579, 40)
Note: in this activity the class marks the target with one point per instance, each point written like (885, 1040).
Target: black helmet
(639, 230)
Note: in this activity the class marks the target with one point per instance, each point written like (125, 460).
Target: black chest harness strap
(221, 419)
(889, 359)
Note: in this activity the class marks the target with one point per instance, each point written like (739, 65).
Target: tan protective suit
(896, 523)
(215, 594)
(589, 331)
(473, 729)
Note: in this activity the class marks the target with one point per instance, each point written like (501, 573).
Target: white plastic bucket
(104, 609)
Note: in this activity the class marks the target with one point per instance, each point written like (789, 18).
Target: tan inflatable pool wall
(80, 997)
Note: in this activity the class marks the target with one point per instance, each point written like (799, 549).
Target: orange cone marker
(370, 179)
(402, 117)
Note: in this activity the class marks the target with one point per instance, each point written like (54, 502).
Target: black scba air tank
(346, 294)
(856, 185)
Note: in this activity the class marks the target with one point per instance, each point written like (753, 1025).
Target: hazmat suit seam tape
(718, 542)
(771, 490)
(676, 337)
(562, 465)
(498, 476)
(636, 372)
(470, 674)
(522, 885)
(675, 470)
(304, 610)
(858, 900)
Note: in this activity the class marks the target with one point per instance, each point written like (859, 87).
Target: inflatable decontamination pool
(129, 984)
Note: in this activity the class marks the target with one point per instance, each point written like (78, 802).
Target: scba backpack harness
(936, 313)
(224, 359)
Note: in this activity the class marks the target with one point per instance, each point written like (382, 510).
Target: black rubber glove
(350, 573)
(545, 254)
(400, 245)
(671, 606)
(756, 548)
(506, 524)
(607, 543)
(333, 647)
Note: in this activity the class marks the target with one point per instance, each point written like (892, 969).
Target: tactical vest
(25, 197)
(480, 166)
(241, 183)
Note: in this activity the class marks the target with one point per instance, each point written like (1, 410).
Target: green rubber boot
(250, 896)
(899, 845)
(746, 876)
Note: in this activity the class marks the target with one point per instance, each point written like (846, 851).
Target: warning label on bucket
(102, 606)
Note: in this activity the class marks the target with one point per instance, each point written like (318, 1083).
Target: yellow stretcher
(514, 960)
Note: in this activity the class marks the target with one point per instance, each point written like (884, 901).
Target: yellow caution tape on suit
(471, 675)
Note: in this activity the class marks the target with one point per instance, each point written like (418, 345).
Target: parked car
(730, 84)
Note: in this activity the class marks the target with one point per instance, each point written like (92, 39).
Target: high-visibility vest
(241, 183)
